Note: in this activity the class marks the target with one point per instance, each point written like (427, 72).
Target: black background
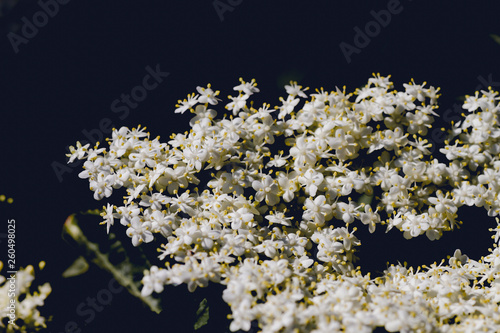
(63, 80)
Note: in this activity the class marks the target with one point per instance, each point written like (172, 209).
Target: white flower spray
(263, 202)
(19, 308)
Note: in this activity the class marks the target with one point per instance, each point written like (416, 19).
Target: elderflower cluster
(263, 200)
(474, 143)
(18, 306)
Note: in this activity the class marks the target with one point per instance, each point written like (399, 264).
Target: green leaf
(496, 38)
(202, 314)
(78, 267)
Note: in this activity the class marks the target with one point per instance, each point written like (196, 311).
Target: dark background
(61, 83)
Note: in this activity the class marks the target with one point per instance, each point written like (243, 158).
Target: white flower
(173, 179)
(183, 203)
(142, 158)
(346, 211)
(295, 90)
(93, 153)
(311, 179)
(155, 200)
(234, 244)
(194, 157)
(264, 131)
(139, 231)
(202, 114)
(77, 153)
(267, 189)
(344, 145)
(394, 139)
(415, 90)
(317, 209)
(126, 213)
(415, 171)
(92, 168)
(161, 223)
(419, 122)
(383, 176)
(443, 204)
(496, 237)
(248, 88)
(102, 186)
(269, 248)
(240, 218)
(279, 218)
(289, 185)
(135, 192)
(472, 103)
(186, 104)
(276, 271)
(232, 129)
(349, 182)
(233, 182)
(242, 316)
(288, 105)
(207, 95)
(153, 280)
(277, 161)
(370, 217)
(463, 194)
(414, 225)
(303, 152)
(380, 81)
(188, 232)
(109, 216)
(238, 103)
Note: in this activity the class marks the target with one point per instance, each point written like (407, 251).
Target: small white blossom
(207, 95)
(139, 231)
(186, 104)
(77, 153)
(295, 90)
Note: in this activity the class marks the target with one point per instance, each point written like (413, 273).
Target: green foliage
(202, 314)
(78, 267)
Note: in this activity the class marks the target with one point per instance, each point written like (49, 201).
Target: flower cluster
(475, 143)
(18, 307)
(263, 201)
